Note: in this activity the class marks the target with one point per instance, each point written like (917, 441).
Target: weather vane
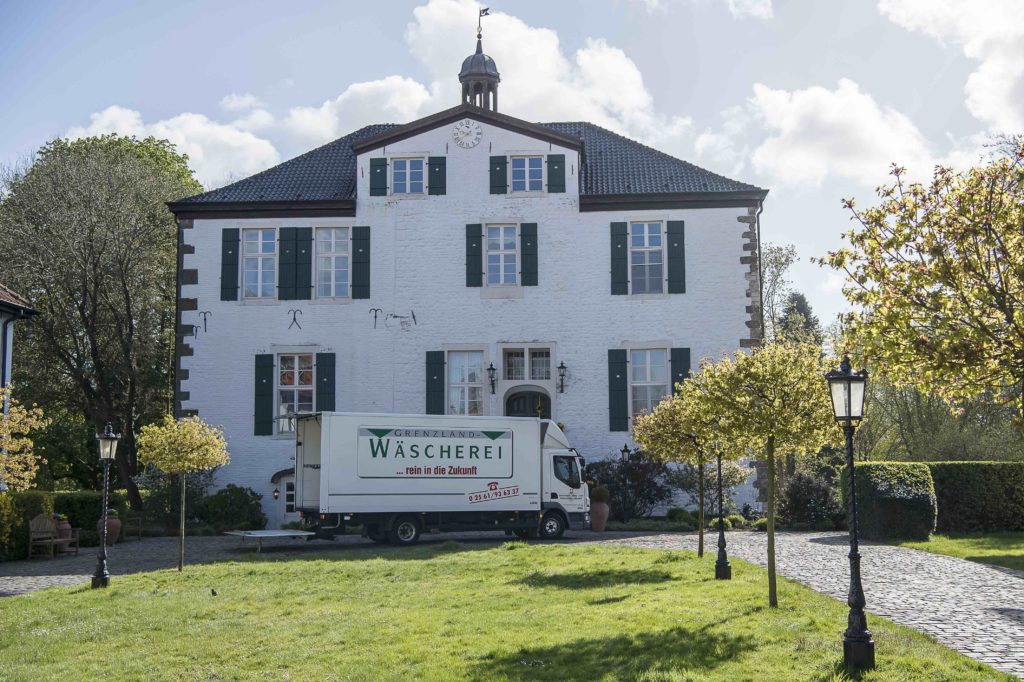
(479, 22)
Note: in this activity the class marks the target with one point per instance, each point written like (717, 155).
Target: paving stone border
(973, 608)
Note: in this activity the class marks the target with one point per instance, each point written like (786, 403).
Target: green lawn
(449, 612)
(1001, 549)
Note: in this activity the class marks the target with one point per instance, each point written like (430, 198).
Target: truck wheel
(552, 526)
(404, 531)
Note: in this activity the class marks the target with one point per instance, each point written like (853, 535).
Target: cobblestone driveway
(975, 609)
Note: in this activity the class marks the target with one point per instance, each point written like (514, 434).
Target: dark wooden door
(528, 404)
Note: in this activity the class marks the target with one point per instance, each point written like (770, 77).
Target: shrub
(736, 520)
(895, 500)
(810, 500)
(678, 514)
(978, 496)
(233, 507)
(16, 510)
(599, 494)
(636, 484)
(713, 523)
(760, 524)
(83, 507)
(161, 498)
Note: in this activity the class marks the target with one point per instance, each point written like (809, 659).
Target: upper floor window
(259, 268)
(332, 262)
(647, 258)
(466, 382)
(540, 364)
(294, 388)
(527, 173)
(407, 176)
(515, 364)
(648, 378)
(502, 251)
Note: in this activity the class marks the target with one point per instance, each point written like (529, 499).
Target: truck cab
(562, 484)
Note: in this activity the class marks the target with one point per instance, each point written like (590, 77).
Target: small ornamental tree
(182, 446)
(18, 461)
(772, 401)
(684, 428)
(936, 274)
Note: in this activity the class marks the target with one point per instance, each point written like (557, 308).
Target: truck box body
(369, 464)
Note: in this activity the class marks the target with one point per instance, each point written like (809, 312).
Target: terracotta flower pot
(64, 533)
(599, 516)
(113, 529)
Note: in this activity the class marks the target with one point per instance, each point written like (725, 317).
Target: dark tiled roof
(613, 165)
(9, 299)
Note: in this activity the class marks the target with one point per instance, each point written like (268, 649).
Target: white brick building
(388, 270)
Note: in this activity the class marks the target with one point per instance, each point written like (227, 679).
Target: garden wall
(979, 496)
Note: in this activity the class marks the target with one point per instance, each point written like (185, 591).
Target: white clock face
(467, 133)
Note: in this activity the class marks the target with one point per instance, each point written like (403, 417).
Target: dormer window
(407, 176)
(527, 173)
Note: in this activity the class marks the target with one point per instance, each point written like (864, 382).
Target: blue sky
(810, 99)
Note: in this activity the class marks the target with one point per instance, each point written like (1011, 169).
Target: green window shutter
(618, 390)
(679, 358)
(303, 263)
(325, 382)
(436, 181)
(499, 175)
(360, 262)
(528, 246)
(474, 255)
(286, 248)
(378, 177)
(620, 260)
(229, 264)
(435, 382)
(556, 173)
(263, 413)
(676, 257)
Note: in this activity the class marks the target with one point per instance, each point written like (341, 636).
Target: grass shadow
(607, 600)
(1008, 564)
(592, 579)
(840, 673)
(654, 654)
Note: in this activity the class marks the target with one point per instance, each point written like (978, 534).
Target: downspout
(4, 347)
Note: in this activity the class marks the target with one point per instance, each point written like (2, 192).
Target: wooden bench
(42, 532)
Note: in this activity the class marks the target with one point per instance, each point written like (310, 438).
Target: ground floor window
(466, 382)
(294, 388)
(648, 378)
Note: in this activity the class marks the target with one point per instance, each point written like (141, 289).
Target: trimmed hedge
(83, 507)
(895, 500)
(979, 496)
(16, 509)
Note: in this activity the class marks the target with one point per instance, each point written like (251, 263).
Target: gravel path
(973, 608)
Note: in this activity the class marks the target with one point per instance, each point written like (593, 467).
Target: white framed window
(515, 364)
(648, 380)
(502, 255)
(332, 262)
(259, 263)
(540, 364)
(294, 388)
(407, 176)
(466, 382)
(527, 173)
(647, 257)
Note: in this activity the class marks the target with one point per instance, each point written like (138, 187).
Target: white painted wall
(418, 264)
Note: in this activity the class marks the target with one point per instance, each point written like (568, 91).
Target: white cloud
(740, 9)
(243, 102)
(816, 132)
(216, 151)
(989, 31)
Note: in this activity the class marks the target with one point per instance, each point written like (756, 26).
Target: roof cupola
(479, 75)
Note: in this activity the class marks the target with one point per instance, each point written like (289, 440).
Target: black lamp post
(723, 570)
(561, 377)
(847, 389)
(491, 371)
(108, 446)
(624, 452)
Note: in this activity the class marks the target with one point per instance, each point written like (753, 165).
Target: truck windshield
(567, 471)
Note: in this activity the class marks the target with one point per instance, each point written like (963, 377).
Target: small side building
(13, 307)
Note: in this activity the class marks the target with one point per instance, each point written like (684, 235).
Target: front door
(528, 404)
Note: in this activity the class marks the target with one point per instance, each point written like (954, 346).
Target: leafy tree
(775, 264)
(936, 273)
(798, 323)
(18, 461)
(182, 446)
(86, 234)
(685, 428)
(771, 401)
(687, 478)
(636, 484)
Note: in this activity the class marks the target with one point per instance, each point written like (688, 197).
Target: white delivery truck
(401, 475)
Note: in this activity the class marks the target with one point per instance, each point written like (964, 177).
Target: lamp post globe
(107, 442)
(624, 452)
(847, 390)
